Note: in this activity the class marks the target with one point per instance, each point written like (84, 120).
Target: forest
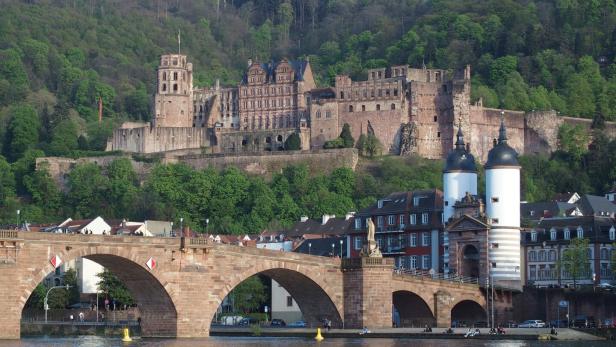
(59, 57)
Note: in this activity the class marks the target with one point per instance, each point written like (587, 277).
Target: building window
(395, 92)
(424, 218)
(612, 234)
(350, 108)
(379, 221)
(363, 108)
(435, 118)
(391, 220)
(580, 233)
(425, 239)
(542, 255)
(567, 234)
(393, 106)
(164, 76)
(413, 219)
(289, 301)
(532, 256)
(553, 235)
(164, 87)
(552, 255)
(328, 114)
(413, 262)
(416, 200)
(494, 199)
(318, 114)
(402, 221)
(358, 224)
(413, 240)
(533, 236)
(378, 106)
(358, 242)
(175, 76)
(425, 261)
(533, 272)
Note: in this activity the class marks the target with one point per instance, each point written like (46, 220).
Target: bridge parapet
(362, 262)
(8, 234)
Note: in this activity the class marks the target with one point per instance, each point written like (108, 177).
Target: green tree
(573, 140)
(575, 260)
(369, 145)
(70, 279)
(113, 289)
(249, 295)
(23, 131)
(88, 190)
(346, 136)
(293, 142)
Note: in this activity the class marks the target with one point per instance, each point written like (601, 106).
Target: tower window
(164, 87)
(378, 106)
(164, 76)
(393, 106)
(363, 107)
(494, 199)
(175, 87)
(435, 118)
(438, 134)
(350, 108)
(175, 76)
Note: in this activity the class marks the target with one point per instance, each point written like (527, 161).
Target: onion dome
(502, 154)
(460, 159)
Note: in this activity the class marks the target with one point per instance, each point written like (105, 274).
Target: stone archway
(470, 261)
(468, 311)
(313, 298)
(155, 303)
(410, 310)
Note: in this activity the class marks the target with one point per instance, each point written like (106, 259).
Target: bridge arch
(469, 311)
(316, 295)
(412, 309)
(150, 291)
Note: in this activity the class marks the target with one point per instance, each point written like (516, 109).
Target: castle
(411, 111)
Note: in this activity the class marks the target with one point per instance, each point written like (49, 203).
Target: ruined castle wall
(386, 124)
(152, 140)
(431, 110)
(252, 141)
(541, 134)
(324, 123)
(485, 123)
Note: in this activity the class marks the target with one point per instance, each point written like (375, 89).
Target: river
(99, 341)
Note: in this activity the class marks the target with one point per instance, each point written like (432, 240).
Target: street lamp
(45, 305)
(341, 249)
(333, 245)
(18, 219)
(309, 246)
(181, 226)
(171, 233)
(207, 223)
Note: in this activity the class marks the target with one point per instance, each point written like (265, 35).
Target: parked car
(298, 324)
(459, 324)
(80, 305)
(481, 324)
(278, 323)
(231, 320)
(606, 286)
(609, 323)
(247, 322)
(582, 321)
(532, 323)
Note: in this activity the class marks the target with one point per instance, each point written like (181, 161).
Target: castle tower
(503, 211)
(459, 178)
(173, 102)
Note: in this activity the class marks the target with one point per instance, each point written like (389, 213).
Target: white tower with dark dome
(459, 178)
(503, 210)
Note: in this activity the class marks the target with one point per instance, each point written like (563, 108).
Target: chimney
(326, 217)
(303, 219)
(217, 84)
(349, 215)
(249, 62)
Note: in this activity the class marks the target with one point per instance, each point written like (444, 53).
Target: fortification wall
(263, 164)
(386, 125)
(485, 123)
(152, 140)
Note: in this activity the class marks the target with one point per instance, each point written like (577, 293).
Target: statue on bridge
(371, 248)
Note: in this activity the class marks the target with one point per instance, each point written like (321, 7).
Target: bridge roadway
(179, 283)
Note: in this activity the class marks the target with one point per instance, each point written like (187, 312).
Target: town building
(409, 227)
(544, 245)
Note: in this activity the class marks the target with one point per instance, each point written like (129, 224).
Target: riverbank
(413, 333)
(79, 328)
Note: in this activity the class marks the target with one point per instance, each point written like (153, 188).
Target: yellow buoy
(126, 337)
(319, 337)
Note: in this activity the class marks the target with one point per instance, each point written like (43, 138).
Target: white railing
(436, 275)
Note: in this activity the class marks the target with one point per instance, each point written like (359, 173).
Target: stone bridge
(179, 283)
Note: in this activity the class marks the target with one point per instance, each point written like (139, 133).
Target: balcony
(390, 229)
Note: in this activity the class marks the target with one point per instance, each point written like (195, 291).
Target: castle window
(372, 93)
(363, 108)
(175, 87)
(386, 92)
(378, 107)
(373, 75)
(175, 76)
(328, 114)
(175, 62)
(380, 93)
(435, 118)
(365, 92)
(350, 108)
(379, 74)
(184, 76)
(395, 72)
(393, 106)
(395, 91)
(164, 76)
(318, 114)
(341, 95)
(438, 134)
(164, 87)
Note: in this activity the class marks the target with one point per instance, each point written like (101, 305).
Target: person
(553, 331)
(469, 333)
(81, 316)
(501, 330)
(449, 331)
(329, 324)
(364, 331)
(71, 318)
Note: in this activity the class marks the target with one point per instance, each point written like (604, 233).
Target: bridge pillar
(442, 308)
(367, 292)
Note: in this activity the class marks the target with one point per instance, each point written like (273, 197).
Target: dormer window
(380, 203)
(612, 233)
(533, 236)
(416, 200)
(580, 233)
(553, 234)
(357, 224)
(567, 234)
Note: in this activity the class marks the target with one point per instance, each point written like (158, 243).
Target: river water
(99, 341)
